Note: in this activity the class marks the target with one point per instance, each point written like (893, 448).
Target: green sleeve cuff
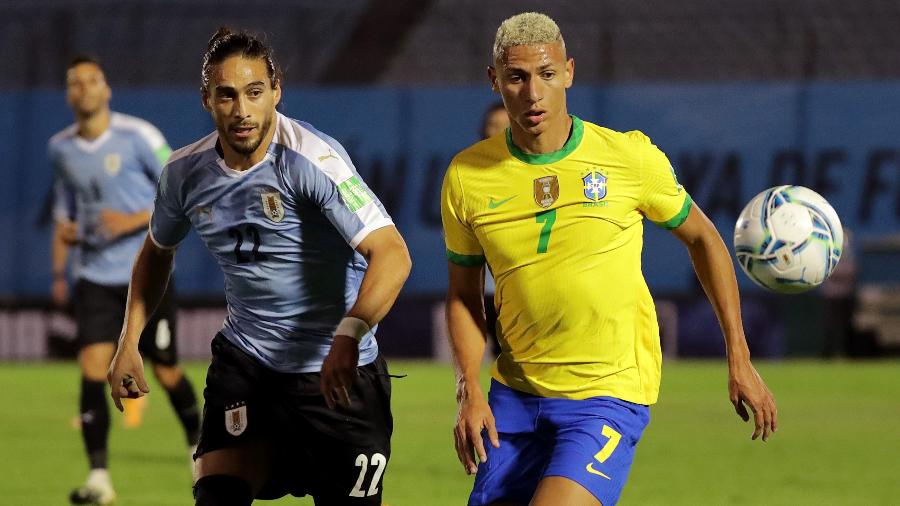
(162, 154)
(465, 260)
(679, 218)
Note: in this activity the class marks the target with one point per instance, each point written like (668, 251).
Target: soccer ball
(788, 239)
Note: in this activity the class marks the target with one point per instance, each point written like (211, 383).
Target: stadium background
(740, 95)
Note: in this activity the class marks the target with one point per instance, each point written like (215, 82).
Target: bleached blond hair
(526, 29)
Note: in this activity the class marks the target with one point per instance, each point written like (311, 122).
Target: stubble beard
(250, 146)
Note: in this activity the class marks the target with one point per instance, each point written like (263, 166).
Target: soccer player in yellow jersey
(555, 209)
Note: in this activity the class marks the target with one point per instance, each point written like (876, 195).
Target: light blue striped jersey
(116, 171)
(283, 232)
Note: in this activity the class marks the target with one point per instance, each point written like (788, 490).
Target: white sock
(99, 477)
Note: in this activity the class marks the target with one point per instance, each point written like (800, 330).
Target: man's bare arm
(468, 334)
(64, 235)
(389, 266)
(714, 269)
(115, 224)
(149, 278)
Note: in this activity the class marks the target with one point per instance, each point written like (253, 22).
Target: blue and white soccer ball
(788, 239)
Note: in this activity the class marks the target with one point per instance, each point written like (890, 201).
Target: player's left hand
(68, 231)
(115, 224)
(339, 371)
(126, 376)
(745, 386)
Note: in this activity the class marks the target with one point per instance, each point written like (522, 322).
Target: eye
(255, 93)
(548, 74)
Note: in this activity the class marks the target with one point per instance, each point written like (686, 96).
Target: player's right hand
(114, 224)
(339, 371)
(474, 415)
(126, 376)
(747, 388)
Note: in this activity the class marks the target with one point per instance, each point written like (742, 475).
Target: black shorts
(100, 312)
(338, 456)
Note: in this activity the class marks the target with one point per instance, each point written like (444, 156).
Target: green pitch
(838, 443)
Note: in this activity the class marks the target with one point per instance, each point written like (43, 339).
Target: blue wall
(727, 142)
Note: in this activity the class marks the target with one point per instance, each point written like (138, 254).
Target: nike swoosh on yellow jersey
(590, 469)
(493, 204)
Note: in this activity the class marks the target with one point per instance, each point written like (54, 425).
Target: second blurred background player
(106, 168)
(494, 121)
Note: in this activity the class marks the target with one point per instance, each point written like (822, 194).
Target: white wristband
(353, 327)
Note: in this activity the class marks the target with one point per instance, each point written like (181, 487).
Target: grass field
(838, 442)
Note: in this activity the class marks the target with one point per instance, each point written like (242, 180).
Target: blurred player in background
(297, 394)
(106, 168)
(494, 122)
(556, 207)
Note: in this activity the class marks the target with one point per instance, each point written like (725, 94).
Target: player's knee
(168, 375)
(94, 361)
(222, 490)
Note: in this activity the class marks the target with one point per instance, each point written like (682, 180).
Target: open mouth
(535, 117)
(243, 132)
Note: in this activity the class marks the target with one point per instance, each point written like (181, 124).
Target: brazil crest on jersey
(116, 171)
(562, 235)
(283, 232)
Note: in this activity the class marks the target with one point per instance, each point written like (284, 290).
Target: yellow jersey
(562, 235)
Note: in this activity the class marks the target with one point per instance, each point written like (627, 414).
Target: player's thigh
(555, 490)
(159, 341)
(94, 360)
(349, 447)
(99, 313)
(594, 443)
(249, 462)
(512, 472)
(168, 376)
(236, 414)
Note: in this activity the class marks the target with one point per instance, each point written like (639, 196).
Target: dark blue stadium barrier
(726, 141)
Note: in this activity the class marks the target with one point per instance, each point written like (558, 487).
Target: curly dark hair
(225, 43)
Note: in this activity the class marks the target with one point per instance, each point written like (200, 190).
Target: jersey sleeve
(334, 185)
(463, 247)
(169, 223)
(63, 193)
(663, 200)
(153, 150)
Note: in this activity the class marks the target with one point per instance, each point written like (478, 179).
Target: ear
(492, 76)
(277, 92)
(570, 72)
(204, 99)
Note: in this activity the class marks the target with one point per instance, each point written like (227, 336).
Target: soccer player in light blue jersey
(106, 168)
(297, 395)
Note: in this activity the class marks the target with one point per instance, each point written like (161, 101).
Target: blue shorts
(590, 442)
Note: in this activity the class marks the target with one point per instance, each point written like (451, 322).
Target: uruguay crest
(112, 163)
(272, 206)
(546, 191)
(594, 185)
(236, 419)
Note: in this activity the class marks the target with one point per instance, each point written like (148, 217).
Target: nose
(239, 107)
(535, 90)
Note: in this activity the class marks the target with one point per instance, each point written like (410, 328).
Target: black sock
(94, 421)
(222, 490)
(185, 403)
